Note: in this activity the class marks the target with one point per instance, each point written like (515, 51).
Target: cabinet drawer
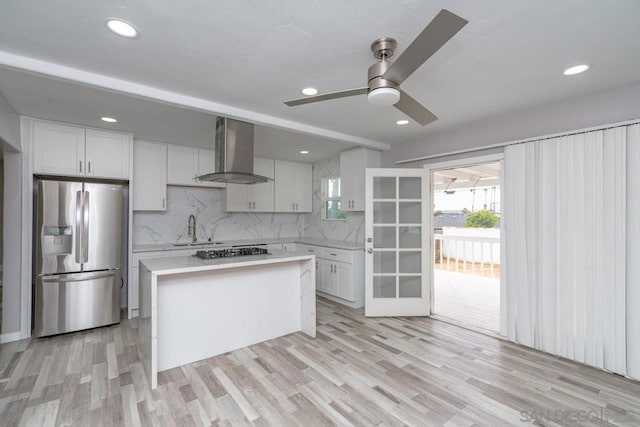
(337, 255)
(310, 249)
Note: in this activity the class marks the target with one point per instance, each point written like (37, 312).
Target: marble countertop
(190, 264)
(339, 244)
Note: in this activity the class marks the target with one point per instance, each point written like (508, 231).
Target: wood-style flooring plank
(358, 371)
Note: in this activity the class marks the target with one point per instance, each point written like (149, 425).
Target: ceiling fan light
(383, 96)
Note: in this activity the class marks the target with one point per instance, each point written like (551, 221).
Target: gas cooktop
(231, 252)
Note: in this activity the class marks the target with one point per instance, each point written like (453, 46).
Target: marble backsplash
(351, 229)
(206, 205)
(212, 222)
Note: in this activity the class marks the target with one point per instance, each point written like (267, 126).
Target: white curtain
(633, 251)
(565, 224)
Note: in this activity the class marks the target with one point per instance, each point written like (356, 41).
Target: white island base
(193, 309)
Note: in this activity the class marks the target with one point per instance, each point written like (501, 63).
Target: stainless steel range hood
(233, 154)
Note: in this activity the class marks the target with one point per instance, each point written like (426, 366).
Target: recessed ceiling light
(122, 28)
(576, 70)
(108, 119)
(304, 152)
(402, 122)
(309, 91)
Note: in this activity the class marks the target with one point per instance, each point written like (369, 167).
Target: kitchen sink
(198, 244)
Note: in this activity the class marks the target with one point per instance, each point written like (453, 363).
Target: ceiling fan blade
(414, 109)
(327, 96)
(444, 26)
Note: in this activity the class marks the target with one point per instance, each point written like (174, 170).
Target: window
(331, 199)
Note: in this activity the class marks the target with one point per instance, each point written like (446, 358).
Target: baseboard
(11, 336)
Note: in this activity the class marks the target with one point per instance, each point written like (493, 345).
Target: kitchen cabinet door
(237, 198)
(206, 164)
(261, 195)
(283, 200)
(107, 154)
(343, 281)
(293, 187)
(182, 165)
(328, 283)
(58, 149)
(352, 167)
(302, 187)
(289, 247)
(149, 176)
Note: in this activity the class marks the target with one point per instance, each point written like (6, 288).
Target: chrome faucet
(191, 228)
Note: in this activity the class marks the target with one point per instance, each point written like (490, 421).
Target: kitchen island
(192, 309)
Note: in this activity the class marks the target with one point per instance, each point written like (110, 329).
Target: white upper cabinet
(207, 164)
(149, 176)
(60, 149)
(254, 197)
(186, 164)
(261, 195)
(293, 187)
(352, 166)
(182, 165)
(57, 149)
(107, 154)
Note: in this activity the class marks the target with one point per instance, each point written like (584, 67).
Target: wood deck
(358, 371)
(467, 298)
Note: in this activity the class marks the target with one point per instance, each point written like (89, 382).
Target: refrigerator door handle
(59, 279)
(78, 230)
(85, 228)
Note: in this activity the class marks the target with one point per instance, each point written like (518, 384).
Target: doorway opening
(466, 263)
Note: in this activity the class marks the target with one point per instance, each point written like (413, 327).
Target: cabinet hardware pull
(162, 203)
(80, 166)
(309, 250)
(369, 239)
(334, 254)
(369, 251)
(88, 167)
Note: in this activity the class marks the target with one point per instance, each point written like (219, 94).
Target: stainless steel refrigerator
(77, 255)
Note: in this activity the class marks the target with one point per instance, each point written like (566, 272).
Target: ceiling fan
(385, 78)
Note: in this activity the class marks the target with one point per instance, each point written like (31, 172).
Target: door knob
(369, 251)
(369, 239)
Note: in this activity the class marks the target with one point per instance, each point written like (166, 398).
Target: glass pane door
(397, 247)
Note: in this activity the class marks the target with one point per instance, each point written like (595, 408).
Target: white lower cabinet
(339, 274)
(289, 247)
(327, 282)
(342, 277)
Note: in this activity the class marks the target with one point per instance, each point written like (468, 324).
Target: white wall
(9, 127)
(12, 214)
(12, 243)
(604, 108)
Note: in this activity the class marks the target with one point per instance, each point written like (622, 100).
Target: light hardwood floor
(358, 371)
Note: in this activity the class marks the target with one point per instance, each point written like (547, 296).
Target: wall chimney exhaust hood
(233, 154)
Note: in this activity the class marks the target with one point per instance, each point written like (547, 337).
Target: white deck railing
(466, 253)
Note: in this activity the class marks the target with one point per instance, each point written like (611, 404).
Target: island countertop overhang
(191, 263)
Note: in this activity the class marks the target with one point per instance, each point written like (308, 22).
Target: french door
(397, 242)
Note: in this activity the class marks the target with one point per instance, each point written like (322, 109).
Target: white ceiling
(254, 55)
(49, 99)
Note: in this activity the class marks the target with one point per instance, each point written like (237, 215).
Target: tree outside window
(331, 199)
